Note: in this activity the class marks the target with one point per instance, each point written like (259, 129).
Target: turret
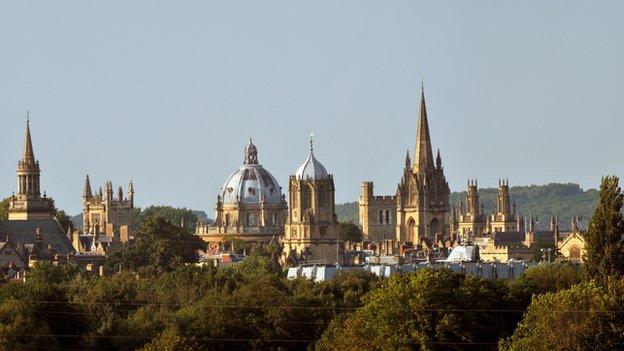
(131, 194)
(86, 192)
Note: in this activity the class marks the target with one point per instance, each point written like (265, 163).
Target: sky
(167, 93)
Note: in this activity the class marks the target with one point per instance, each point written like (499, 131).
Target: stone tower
(504, 217)
(423, 193)
(105, 214)
(472, 220)
(311, 230)
(28, 203)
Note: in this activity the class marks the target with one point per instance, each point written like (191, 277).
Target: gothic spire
(29, 154)
(423, 156)
(86, 192)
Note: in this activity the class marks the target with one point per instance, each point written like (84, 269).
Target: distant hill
(564, 200)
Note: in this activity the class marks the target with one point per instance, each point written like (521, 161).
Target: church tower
(28, 203)
(423, 192)
(311, 230)
(504, 217)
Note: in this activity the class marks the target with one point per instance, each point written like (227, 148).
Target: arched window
(273, 219)
(306, 198)
(227, 220)
(322, 197)
(411, 231)
(575, 253)
(387, 216)
(380, 216)
(251, 220)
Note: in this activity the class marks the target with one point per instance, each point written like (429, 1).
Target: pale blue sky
(167, 93)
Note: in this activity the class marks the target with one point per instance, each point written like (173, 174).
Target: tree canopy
(605, 236)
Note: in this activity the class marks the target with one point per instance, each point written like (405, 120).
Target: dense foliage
(4, 208)
(158, 244)
(543, 201)
(605, 236)
(350, 232)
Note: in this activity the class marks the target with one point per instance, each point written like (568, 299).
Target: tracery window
(251, 220)
(306, 198)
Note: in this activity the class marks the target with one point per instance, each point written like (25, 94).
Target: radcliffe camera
(311, 175)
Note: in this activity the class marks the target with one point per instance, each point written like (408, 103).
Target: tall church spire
(423, 156)
(29, 155)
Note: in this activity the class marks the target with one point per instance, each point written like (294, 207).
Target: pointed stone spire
(86, 192)
(423, 156)
(408, 161)
(28, 155)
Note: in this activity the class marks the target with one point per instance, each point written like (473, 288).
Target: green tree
(4, 209)
(64, 220)
(158, 244)
(429, 310)
(604, 238)
(176, 216)
(350, 232)
(587, 316)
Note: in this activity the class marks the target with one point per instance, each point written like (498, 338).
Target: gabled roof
(24, 232)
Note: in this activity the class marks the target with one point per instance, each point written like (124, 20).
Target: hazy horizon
(526, 91)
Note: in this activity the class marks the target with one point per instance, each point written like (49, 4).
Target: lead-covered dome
(251, 183)
(312, 168)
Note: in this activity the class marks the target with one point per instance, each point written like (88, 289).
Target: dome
(251, 183)
(312, 168)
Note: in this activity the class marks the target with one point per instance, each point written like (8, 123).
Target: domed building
(250, 208)
(311, 229)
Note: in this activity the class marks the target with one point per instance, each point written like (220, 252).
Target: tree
(158, 244)
(176, 216)
(4, 209)
(605, 236)
(428, 310)
(350, 232)
(64, 220)
(587, 316)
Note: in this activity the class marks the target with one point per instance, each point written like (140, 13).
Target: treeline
(154, 297)
(543, 201)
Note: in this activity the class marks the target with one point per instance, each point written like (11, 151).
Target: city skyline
(535, 104)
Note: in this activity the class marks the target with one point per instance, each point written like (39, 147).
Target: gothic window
(387, 216)
(306, 198)
(322, 196)
(380, 216)
(251, 220)
(575, 253)
(227, 220)
(273, 219)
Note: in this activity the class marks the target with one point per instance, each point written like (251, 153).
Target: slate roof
(508, 237)
(24, 232)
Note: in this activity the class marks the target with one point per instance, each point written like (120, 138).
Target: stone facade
(419, 211)
(250, 209)
(107, 215)
(311, 230)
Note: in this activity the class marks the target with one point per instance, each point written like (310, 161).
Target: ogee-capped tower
(311, 230)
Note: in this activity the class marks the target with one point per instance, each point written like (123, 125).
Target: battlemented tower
(106, 214)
